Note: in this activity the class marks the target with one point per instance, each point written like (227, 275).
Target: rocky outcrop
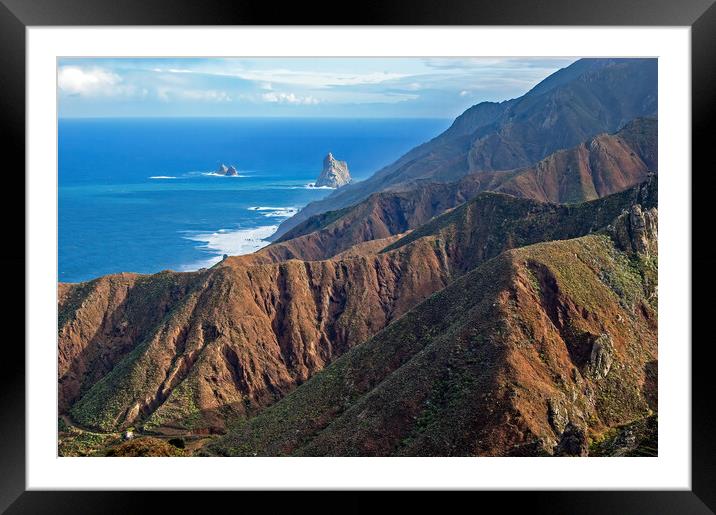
(227, 170)
(572, 442)
(334, 174)
(636, 229)
(557, 415)
(601, 357)
(638, 438)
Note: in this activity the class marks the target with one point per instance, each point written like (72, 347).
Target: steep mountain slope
(101, 321)
(521, 356)
(379, 216)
(237, 339)
(600, 166)
(483, 228)
(188, 350)
(587, 98)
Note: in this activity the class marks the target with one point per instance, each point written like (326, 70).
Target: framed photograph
(425, 249)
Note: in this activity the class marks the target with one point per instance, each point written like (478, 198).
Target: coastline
(237, 242)
(228, 242)
(131, 191)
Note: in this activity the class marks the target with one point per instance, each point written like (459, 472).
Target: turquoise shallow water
(138, 194)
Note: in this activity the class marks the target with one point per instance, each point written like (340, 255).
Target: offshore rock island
(493, 292)
(229, 171)
(335, 173)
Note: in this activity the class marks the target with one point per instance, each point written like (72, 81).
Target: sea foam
(214, 174)
(312, 186)
(275, 212)
(231, 242)
(239, 241)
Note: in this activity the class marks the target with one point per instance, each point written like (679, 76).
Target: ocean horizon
(141, 194)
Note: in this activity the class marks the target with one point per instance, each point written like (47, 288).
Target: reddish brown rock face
(233, 338)
(601, 166)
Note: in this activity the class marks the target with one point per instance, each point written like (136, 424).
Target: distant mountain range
(493, 292)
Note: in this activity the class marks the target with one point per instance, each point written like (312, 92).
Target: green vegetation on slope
(524, 221)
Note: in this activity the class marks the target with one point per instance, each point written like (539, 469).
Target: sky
(292, 87)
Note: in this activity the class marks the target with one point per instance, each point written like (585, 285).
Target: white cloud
(166, 94)
(170, 70)
(210, 95)
(503, 63)
(317, 79)
(75, 80)
(366, 97)
(288, 98)
(439, 86)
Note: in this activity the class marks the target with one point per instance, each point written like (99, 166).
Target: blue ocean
(141, 195)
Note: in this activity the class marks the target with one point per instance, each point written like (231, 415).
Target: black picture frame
(700, 15)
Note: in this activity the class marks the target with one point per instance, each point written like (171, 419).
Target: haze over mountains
(492, 292)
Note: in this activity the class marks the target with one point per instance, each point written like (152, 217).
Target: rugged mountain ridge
(589, 97)
(528, 354)
(600, 166)
(191, 350)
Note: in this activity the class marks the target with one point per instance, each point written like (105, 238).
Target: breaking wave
(231, 242)
(214, 174)
(275, 212)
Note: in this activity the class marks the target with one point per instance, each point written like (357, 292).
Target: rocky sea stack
(227, 170)
(334, 174)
